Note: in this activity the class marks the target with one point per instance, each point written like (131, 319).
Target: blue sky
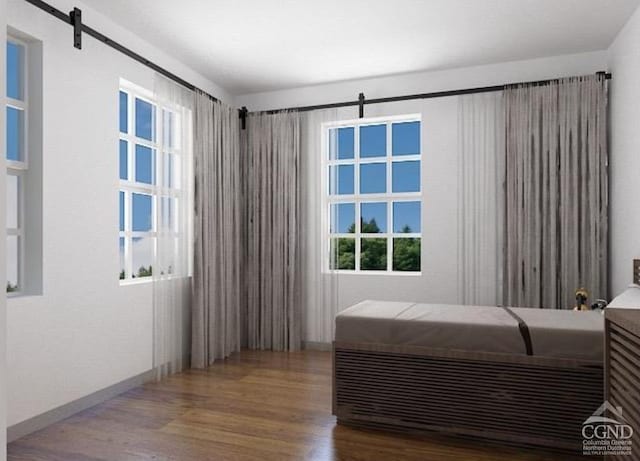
(14, 68)
(15, 125)
(144, 160)
(406, 214)
(15, 117)
(405, 175)
(373, 141)
(124, 119)
(142, 212)
(145, 114)
(377, 211)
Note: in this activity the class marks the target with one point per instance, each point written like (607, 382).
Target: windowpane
(122, 260)
(124, 112)
(145, 161)
(343, 218)
(13, 200)
(406, 176)
(373, 218)
(406, 138)
(406, 254)
(145, 114)
(373, 254)
(406, 217)
(15, 71)
(15, 134)
(13, 263)
(343, 254)
(341, 180)
(168, 128)
(373, 141)
(142, 254)
(373, 178)
(122, 211)
(142, 207)
(171, 172)
(341, 143)
(167, 262)
(167, 214)
(124, 166)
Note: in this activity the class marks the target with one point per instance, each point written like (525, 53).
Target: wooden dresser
(622, 368)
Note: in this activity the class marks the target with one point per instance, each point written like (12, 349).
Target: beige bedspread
(554, 333)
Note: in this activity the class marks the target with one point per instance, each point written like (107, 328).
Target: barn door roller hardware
(76, 21)
(361, 105)
(243, 116)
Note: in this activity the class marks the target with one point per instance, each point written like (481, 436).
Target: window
(150, 156)
(374, 195)
(16, 156)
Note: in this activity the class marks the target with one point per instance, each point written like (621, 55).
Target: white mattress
(554, 333)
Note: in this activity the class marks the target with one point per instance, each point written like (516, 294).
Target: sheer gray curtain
(481, 197)
(217, 243)
(556, 192)
(174, 220)
(272, 268)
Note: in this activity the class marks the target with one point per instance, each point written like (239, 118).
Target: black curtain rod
(361, 101)
(74, 18)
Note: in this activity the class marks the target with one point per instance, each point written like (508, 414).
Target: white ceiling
(257, 45)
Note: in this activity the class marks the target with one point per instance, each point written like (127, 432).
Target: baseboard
(64, 411)
(316, 346)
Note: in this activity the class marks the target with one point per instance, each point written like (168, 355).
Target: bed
(525, 376)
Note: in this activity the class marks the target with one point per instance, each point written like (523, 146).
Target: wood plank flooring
(258, 406)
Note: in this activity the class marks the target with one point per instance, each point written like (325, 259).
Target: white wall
(85, 332)
(624, 63)
(3, 310)
(423, 82)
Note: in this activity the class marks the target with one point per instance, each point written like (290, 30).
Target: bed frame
(511, 398)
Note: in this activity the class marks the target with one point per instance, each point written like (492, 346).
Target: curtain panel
(272, 238)
(481, 154)
(172, 265)
(217, 233)
(556, 204)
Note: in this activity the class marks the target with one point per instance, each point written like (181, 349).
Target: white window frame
(357, 198)
(20, 168)
(156, 191)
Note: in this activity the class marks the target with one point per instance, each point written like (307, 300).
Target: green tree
(369, 227)
(145, 272)
(406, 254)
(373, 254)
(345, 254)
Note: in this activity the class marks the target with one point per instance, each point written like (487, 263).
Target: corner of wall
(3, 300)
(624, 163)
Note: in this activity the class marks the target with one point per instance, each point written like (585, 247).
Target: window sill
(141, 281)
(15, 295)
(145, 280)
(376, 273)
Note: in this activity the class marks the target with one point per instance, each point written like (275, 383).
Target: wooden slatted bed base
(513, 398)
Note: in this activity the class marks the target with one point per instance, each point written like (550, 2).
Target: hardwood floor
(255, 406)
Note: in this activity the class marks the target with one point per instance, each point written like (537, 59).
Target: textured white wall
(85, 332)
(624, 63)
